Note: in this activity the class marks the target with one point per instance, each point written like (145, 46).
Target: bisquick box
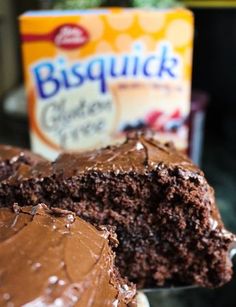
(93, 75)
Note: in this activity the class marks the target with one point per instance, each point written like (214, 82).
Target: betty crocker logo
(66, 36)
(70, 36)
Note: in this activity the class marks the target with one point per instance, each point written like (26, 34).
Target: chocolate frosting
(12, 154)
(52, 258)
(13, 158)
(139, 153)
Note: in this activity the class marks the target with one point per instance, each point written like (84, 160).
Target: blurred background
(214, 96)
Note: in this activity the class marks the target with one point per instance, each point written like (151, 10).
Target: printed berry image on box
(93, 75)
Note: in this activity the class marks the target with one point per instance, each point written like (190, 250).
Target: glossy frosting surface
(138, 153)
(12, 154)
(52, 258)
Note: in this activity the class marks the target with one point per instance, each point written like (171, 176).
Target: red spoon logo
(67, 36)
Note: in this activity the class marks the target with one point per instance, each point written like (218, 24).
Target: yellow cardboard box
(92, 75)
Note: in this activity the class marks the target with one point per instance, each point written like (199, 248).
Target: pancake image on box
(53, 258)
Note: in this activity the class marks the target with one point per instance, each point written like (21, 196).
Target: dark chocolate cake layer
(12, 157)
(169, 228)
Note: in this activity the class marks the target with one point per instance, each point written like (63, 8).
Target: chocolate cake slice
(57, 259)
(12, 157)
(168, 226)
